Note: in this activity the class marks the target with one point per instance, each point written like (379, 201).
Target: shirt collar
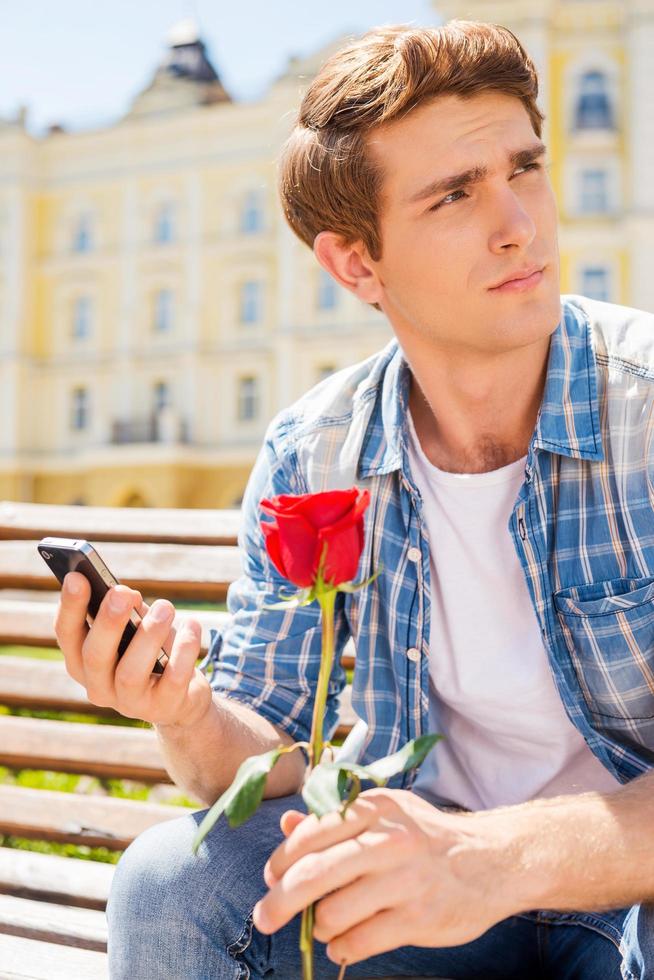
(567, 423)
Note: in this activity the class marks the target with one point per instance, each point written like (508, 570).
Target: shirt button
(413, 554)
(413, 654)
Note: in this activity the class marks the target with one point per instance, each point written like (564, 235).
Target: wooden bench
(52, 920)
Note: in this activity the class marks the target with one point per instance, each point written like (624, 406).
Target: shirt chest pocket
(608, 629)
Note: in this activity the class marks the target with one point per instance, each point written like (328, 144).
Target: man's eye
(435, 207)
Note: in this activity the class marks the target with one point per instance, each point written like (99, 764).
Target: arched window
(82, 317)
(251, 218)
(83, 234)
(594, 191)
(593, 109)
(248, 399)
(79, 409)
(250, 301)
(164, 224)
(595, 282)
(163, 310)
(162, 396)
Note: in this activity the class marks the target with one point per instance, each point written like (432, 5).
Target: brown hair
(326, 181)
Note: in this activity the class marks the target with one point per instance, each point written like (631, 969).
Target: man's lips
(521, 279)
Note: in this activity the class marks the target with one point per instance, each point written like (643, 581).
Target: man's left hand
(395, 872)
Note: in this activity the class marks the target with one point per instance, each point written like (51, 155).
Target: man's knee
(158, 866)
(159, 880)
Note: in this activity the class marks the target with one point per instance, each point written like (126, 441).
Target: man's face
(443, 250)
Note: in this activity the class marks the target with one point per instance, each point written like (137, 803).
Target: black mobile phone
(63, 555)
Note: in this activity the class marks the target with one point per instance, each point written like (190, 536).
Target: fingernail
(161, 612)
(118, 602)
(72, 586)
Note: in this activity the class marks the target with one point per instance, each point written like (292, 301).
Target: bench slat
(51, 878)
(98, 821)
(45, 684)
(28, 959)
(31, 623)
(81, 928)
(167, 570)
(66, 746)
(164, 525)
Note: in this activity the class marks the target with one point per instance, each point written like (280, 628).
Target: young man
(506, 438)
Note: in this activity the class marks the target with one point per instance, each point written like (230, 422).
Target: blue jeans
(176, 916)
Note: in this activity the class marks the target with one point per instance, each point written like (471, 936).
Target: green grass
(35, 653)
(102, 854)
(63, 782)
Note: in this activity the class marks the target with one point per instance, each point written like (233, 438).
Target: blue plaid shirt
(582, 526)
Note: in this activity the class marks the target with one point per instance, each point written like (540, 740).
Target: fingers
(100, 650)
(70, 624)
(133, 675)
(316, 875)
(182, 693)
(360, 900)
(378, 934)
(290, 820)
(312, 834)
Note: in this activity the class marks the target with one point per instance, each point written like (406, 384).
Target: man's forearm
(203, 758)
(588, 852)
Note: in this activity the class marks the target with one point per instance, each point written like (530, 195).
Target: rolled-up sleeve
(270, 658)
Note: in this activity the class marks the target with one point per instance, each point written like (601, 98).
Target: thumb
(290, 820)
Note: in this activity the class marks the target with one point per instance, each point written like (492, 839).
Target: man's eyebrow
(517, 158)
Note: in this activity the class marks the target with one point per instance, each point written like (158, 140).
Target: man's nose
(512, 223)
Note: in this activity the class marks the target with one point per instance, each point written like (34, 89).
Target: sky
(79, 63)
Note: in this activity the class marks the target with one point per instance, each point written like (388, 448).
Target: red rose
(303, 523)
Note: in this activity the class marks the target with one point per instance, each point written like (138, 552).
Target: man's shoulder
(622, 336)
(346, 396)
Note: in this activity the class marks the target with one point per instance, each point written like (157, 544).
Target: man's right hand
(181, 696)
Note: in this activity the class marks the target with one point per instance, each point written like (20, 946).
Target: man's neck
(473, 416)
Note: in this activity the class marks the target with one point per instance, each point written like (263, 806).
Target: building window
(82, 234)
(82, 314)
(248, 399)
(251, 220)
(595, 282)
(594, 191)
(250, 302)
(593, 110)
(162, 396)
(163, 310)
(326, 298)
(164, 224)
(325, 371)
(79, 409)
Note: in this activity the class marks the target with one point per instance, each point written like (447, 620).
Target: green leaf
(357, 586)
(379, 772)
(292, 601)
(242, 798)
(324, 789)
(409, 756)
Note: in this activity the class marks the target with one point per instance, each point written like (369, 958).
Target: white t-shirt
(492, 695)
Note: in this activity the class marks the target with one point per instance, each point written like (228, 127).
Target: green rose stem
(326, 596)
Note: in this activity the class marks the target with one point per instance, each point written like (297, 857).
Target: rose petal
(298, 543)
(324, 509)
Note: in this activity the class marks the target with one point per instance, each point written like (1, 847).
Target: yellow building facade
(155, 309)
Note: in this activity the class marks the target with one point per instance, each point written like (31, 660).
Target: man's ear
(350, 265)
